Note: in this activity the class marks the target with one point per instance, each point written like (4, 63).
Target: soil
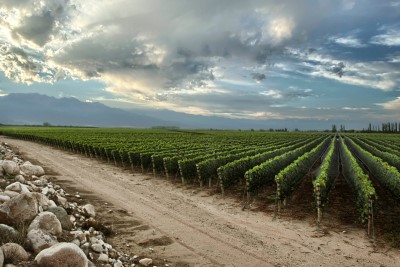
(189, 226)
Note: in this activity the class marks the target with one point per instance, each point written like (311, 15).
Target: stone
(30, 169)
(40, 240)
(99, 248)
(1, 257)
(4, 198)
(47, 222)
(62, 216)
(118, 263)
(89, 210)
(10, 167)
(11, 194)
(103, 258)
(7, 233)
(14, 253)
(62, 201)
(62, 254)
(17, 187)
(22, 208)
(20, 178)
(146, 262)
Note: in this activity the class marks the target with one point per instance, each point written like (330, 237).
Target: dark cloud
(258, 76)
(37, 28)
(338, 69)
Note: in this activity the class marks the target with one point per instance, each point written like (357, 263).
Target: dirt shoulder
(188, 227)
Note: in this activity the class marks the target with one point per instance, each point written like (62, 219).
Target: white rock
(45, 190)
(89, 210)
(103, 258)
(22, 208)
(20, 178)
(52, 204)
(40, 240)
(62, 254)
(47, 222)
(118, 264)
(10, 167)
(11, 194)
(30, 169)
(98, 248)
(17, 187)
(4, 198)
(146, 262)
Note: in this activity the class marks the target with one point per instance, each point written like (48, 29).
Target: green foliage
(234, 171)
(265, 172)
(287, 178)
(325, 177)
(358, 180)
(387, 175)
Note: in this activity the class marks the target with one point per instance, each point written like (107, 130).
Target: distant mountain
(37, 109)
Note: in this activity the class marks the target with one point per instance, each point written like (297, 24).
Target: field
(349, 176)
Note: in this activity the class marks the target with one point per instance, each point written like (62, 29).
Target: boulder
(89, 210)
(20, 178)
(62, 201)
(7, 233)
(47, 222)
(146, 262)
(40, 240)
(22, 208)
(30, 169)
(103, 258)
(11, 194)
(62, 254)
(10, 167)
(1, 258)
(18, 187)
(14, 253)
(62, 216)
(4, 198)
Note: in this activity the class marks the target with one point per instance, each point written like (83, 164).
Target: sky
(247, 59)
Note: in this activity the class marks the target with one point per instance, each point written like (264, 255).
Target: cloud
(380, 75)
(224, 57)
(20, 66)
(258, 76)
(356, 108)
(36, 28)
(391, 37)
(348, 4)
(348, 41)
(338, 69)
(391, 105)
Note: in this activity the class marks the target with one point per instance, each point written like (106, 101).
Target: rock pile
(38, 225)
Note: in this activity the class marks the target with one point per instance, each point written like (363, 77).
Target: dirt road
(191, 228)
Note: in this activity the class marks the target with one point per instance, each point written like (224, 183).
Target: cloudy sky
(249, 59)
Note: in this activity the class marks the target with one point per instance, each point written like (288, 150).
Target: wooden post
(371, 230)
(278, 197)
(319, 212)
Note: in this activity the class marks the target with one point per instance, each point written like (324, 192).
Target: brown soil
(190, 227)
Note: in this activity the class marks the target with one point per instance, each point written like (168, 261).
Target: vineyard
(306, 171)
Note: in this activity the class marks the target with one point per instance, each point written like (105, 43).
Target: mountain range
(37, 109)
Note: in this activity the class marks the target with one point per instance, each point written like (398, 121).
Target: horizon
(327, 62)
